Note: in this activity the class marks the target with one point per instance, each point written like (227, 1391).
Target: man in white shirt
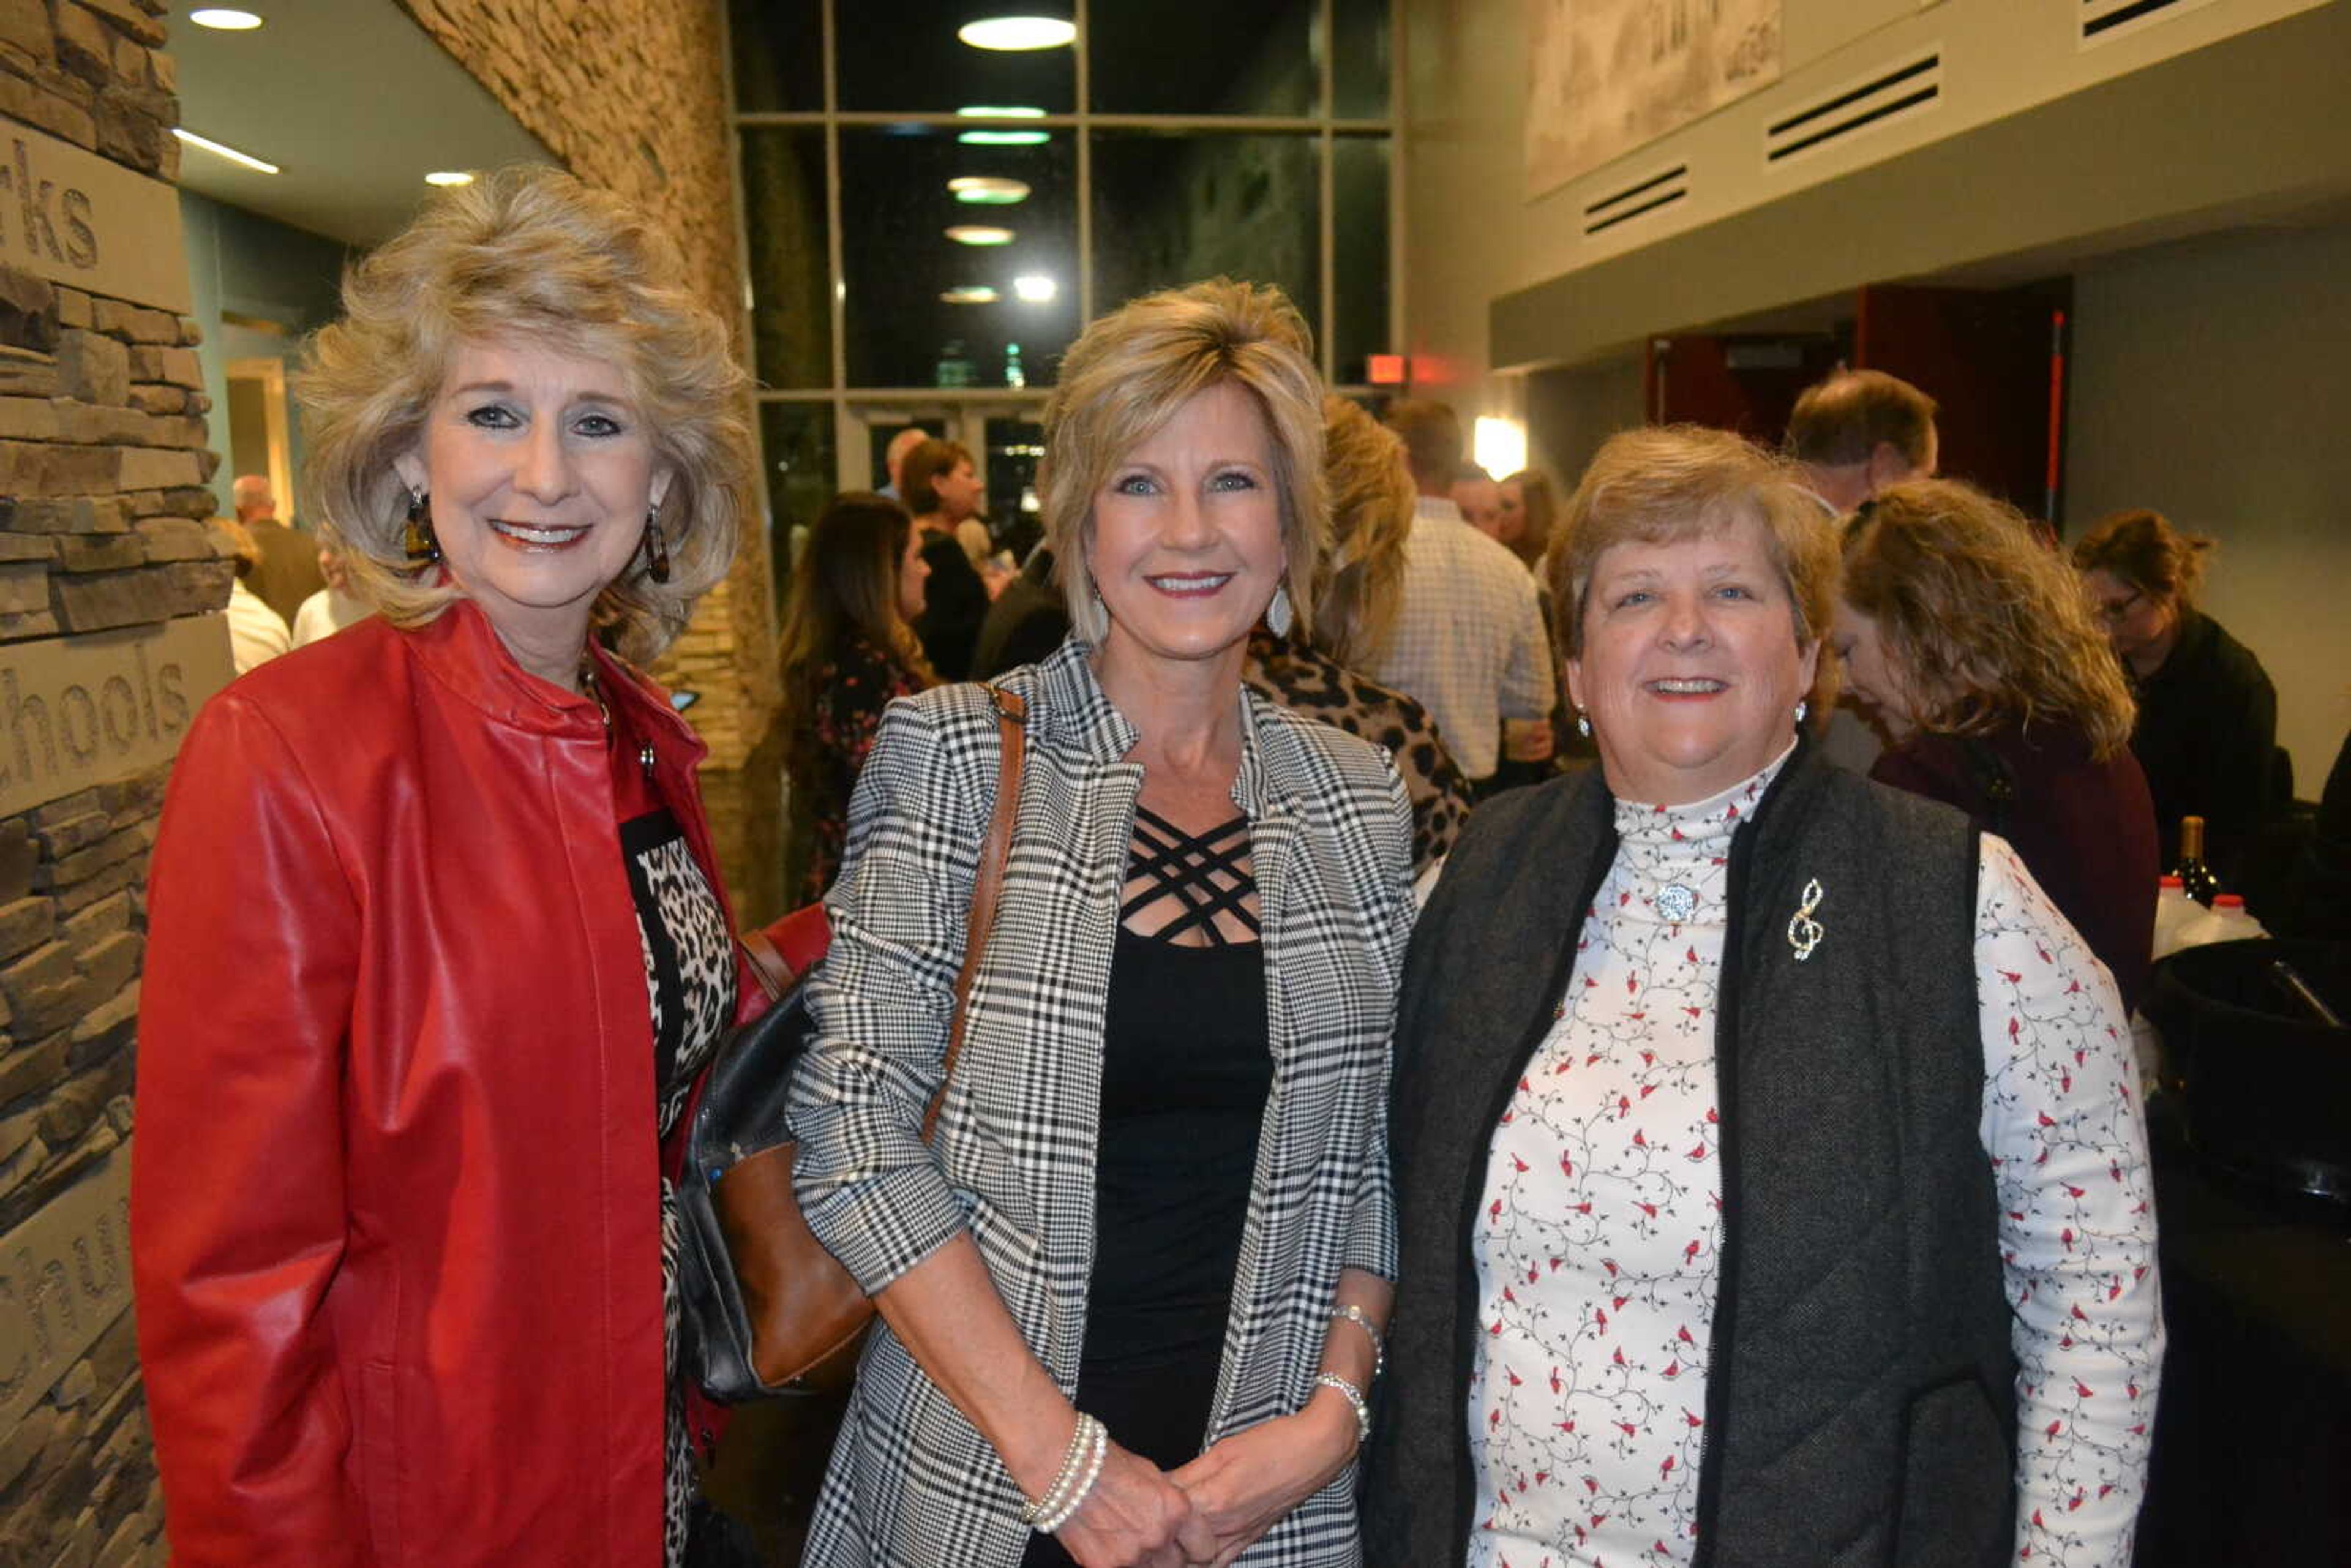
(1468, 642)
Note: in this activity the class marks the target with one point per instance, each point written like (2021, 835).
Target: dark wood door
(1994, 360)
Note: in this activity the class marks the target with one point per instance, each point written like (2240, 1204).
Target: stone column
(108, 641)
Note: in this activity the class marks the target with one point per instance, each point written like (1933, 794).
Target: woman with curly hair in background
(1972, 645)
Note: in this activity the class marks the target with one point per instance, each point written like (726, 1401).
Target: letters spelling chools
(81, 711)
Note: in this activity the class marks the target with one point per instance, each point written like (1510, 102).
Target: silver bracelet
(1073, 1462)
(1363, 1319)
(1052, 1522)
(1354, 1397)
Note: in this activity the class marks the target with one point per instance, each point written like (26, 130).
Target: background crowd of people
(1465, 1068)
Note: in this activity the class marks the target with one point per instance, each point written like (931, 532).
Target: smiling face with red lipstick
(1186, 543)
(540, 471)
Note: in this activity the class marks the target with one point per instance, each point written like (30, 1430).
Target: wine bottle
(2193, 873)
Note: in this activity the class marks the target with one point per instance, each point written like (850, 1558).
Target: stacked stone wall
(103, 464)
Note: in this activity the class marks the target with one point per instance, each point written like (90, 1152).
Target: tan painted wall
(2211, 385)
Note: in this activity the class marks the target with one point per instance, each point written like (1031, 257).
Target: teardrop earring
(1583, 723)
(1802, 707)
(1277, 615)
(656, 548)
(417, 538)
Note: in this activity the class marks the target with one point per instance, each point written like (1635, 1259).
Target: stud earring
(1277, 615)
(1802, 707)
(1583, 723)
(417, 538)
(656, 548)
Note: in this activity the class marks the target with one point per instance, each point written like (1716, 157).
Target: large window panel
(1359, 205)
(778, 47)
(1173, 209)
(908, 58)
(1223, 57)
(796, 442)
(1361, 60)
(926, 309)
(785, 234)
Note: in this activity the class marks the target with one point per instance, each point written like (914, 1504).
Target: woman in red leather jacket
(436, 939)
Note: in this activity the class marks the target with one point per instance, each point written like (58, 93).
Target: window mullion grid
(1084, 133)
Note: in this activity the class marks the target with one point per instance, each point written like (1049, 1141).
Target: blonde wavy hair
(525, 255)
(1990, 628)
(1371, 495)
(1671, 482)
(1127, 375)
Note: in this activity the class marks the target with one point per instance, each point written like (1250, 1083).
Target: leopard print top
(1300, 678)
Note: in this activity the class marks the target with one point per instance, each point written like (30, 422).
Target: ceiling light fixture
(970, 294)
(1035, 289)
(222, 19)
(450, 177)
(1005, 138)
(1018, 33)
(231, 154)
(987, 191)
(992, 111)
(980, 234)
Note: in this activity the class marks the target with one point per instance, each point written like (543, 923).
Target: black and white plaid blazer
(912, 1481)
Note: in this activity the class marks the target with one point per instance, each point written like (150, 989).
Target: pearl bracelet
(1056, 1499)
(1047, 1523)
(1354, 1397)
(1363, 1319)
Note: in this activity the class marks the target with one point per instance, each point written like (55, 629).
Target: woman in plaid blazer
(1182, 482)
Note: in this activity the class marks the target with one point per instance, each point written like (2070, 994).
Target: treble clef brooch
(1804, 931)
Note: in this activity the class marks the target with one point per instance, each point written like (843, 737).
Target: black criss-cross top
(1192, 890)
(1187, 1073)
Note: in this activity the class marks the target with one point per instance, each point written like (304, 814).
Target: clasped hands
(1207, 1512)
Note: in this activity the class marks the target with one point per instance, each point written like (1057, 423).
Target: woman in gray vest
(1772, 1187)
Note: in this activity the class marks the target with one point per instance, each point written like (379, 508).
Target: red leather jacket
(395, 1212)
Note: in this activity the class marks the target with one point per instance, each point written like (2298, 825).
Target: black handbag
(768, 1310)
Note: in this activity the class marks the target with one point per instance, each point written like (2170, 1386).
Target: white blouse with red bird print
(1599, 1244)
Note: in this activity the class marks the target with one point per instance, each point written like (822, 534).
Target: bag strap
(1012, 721)
(769, 968)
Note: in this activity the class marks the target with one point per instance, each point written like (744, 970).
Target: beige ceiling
(352, 100)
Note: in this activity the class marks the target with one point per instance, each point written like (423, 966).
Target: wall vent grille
(1637, 200)
(2100, 18)
(1856, 107)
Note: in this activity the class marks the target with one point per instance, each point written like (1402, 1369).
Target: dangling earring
(1802, 707)
(656, 548)
(1583, 723)
(1278, 616)
(417, 538)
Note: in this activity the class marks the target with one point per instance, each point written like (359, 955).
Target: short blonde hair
(1127, 375)
(1677, 482)
(527, 254)
(1990, 627)
(1370, 492)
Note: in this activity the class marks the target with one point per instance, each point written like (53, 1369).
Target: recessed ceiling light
(970, 294)
(987, 190)
(1035, 287)
(218, 151)
(225, 20)
(450, 177)
(1017, 32)
(990, 111)
(980, 234)
(1005, 138)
